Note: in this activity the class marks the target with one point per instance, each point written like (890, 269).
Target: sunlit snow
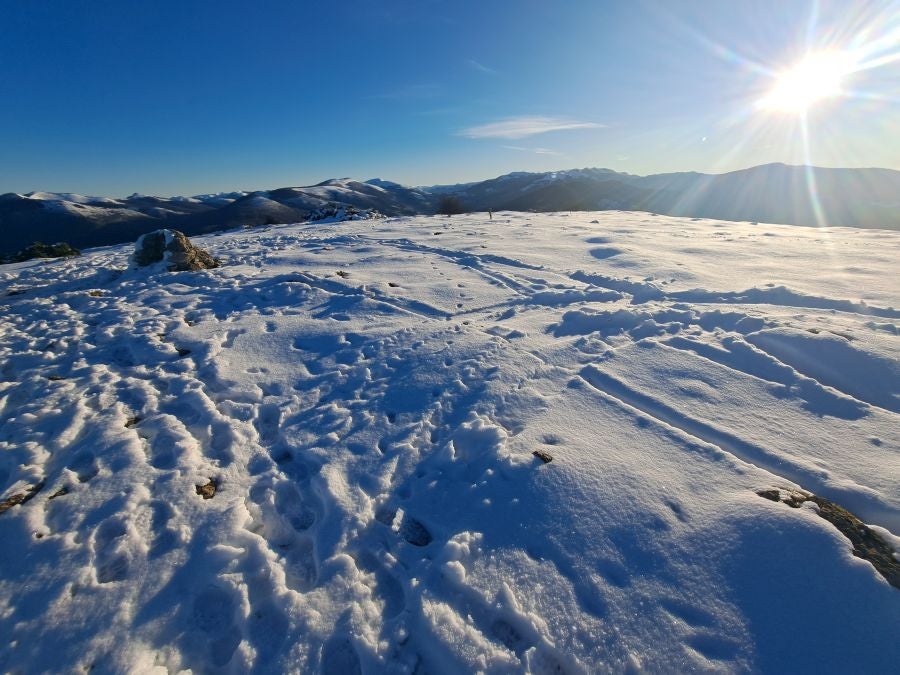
(364, 399)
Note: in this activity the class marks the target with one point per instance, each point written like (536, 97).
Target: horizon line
(433, 185)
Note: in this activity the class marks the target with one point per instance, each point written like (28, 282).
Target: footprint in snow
(212, 614)
(84, 465)
(213, 611)
(164, 538)
(414, 531)
(268, 422)
(339, 657)
(267, 628)
(111, 559)
(386, 587)
(283, 517)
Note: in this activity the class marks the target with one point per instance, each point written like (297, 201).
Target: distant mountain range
(773, 193)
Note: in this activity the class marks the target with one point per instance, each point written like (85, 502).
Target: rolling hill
(773, 193)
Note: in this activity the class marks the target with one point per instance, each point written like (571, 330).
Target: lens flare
(816, 78)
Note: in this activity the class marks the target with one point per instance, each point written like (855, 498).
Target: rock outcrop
(172, 251)
(867, 544)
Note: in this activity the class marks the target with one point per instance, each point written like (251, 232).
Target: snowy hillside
(772, 193)
(319, 456)
(98, 221)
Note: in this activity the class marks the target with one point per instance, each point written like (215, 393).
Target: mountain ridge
(776, 193)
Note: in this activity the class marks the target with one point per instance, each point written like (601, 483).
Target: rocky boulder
(172, 251)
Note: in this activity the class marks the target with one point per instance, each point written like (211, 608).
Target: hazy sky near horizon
(168, 97)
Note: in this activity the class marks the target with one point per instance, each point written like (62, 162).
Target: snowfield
(319, 456)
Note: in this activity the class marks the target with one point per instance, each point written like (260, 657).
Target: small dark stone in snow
(55, 378)
(543, 455)
(208, 491)
(343, 274)
(132, 421)
(183, 352)
(392, 284)
(59, 493)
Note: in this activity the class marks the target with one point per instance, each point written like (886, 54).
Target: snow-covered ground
(365, 398)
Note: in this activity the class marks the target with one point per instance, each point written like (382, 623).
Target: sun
(816, 78)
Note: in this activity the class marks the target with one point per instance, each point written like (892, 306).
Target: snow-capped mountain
(774, 193)
(771, 193)
(94, 221)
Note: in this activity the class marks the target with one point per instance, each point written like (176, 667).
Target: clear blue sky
(115, 96)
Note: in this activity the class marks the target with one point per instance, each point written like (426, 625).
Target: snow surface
(65, 196)
(91, 211)
(367, 395)
(385, 184)
(216, 199)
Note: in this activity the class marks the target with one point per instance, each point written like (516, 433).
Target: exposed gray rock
(172, 250)
(21, 498)
(867, 544)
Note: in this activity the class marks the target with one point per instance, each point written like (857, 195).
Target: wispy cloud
(537, 151)
(521, 127)
(481, 68)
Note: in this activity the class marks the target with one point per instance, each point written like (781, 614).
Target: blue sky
(114, 96)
